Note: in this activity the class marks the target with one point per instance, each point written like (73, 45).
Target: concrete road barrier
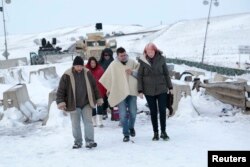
(180, 90)
(49, 72)
(2, 80)
(52, 98)
(220, 78)
(16, 74)
(32, 73)
(17, 96)
(177, 75)
(4, 64)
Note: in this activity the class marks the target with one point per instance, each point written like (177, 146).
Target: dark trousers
(161, 99)
(106, 105)
(98, 110)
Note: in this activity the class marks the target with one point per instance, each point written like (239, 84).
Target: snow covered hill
(183, 39)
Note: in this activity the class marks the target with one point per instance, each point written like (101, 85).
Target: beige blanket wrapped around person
(118, 83)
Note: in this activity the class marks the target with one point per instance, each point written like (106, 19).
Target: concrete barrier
(4, 64)
(180, 90)
(188, 78)
(16, 74)
(220, 78)
(177, 75)
(17, 96)
(49, 72)
(2, 80)
(32, 73)
(52, 97)
(1, 116)
(171, 69)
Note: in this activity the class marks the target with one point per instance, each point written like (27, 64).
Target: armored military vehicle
(48, 53)
(94, 44)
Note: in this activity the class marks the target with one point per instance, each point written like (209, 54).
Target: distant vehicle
(36, 59)
(94, 44)
(48, 53)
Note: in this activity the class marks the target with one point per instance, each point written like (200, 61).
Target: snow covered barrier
(177, 75)
(1, 116)
(16, 74)
(49, 72)
(32, 73)
(180, 89)
(4, 64)
(17, 96)
(220, 78)
(52, 97)
(2, 80)
(46, 73)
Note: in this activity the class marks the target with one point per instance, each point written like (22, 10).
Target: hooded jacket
(153, 75)
(97, 73)
(103, 62)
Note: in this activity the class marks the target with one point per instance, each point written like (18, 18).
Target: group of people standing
(87, 92)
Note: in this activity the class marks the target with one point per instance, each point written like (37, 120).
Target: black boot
(126, 139)
(76, 146)
(156, 136)
(132, 132)
(91, 144)
(164, 136)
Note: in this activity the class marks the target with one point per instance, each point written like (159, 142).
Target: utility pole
(5, 53)
(205, 2)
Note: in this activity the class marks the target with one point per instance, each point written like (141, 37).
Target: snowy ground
(191, 135)
(191, 138)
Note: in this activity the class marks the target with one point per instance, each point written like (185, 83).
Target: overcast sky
(33, 16)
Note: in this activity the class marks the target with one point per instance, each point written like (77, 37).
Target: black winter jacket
(153, 76)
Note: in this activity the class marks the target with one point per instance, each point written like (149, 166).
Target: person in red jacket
(97, 71)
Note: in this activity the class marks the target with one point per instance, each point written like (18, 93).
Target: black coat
(153, 77)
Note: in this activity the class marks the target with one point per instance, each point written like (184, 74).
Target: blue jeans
(127, 111)
(86, 115)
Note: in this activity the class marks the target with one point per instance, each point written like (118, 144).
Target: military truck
(48, 53)
(94, 44)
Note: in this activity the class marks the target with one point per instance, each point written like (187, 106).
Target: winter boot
(91, 144)
(164, 136)
(94, 120)
(126, 139)
(132, 132)
(76, 146)
(100, 121)
(104, 115)
(156, 136)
